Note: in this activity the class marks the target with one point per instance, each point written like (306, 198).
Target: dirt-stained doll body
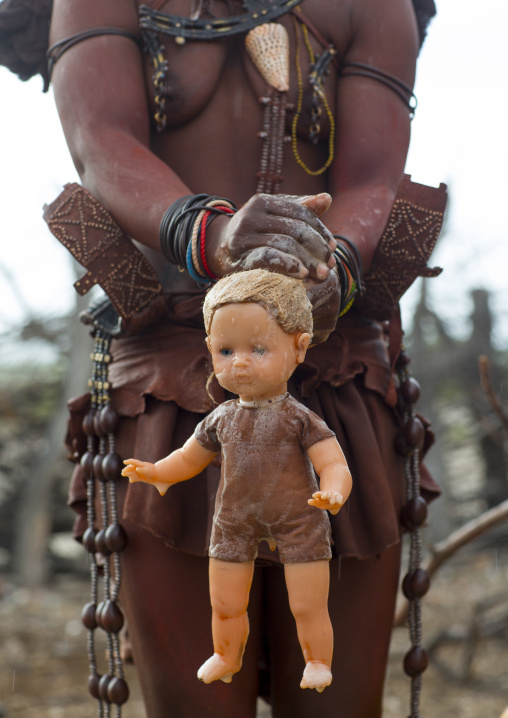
(259, 328)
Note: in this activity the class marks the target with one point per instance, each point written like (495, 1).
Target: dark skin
(103, 93)
(214, 116)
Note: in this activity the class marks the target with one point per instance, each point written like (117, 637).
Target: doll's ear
(208, 344)
(302, 344)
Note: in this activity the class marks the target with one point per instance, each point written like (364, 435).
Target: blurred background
(459, 138)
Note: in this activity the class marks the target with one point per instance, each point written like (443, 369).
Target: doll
(259, 326)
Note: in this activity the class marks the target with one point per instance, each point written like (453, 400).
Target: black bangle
(350, 269)
(175, 230)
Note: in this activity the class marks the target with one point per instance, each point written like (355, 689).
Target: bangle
(180, 234)
(349, 268)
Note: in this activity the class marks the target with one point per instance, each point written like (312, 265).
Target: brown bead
(93, 684)
(401, 446)
(414, 432)
(100, 543)
(416, 661)
(116, 538)
(410, 390)
(112, 466)
(97, 467)
(108, 419)
(404, 359)
(118, 691)
(98, 613)
(416, 584)
(111, 617)
(414, 513)
(88, 616)
(97, 424)
(87, 424)
(87, 463)
(89, 539)
(103, 687)
(401, 404)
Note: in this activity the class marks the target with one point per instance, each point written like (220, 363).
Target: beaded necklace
(182, 29)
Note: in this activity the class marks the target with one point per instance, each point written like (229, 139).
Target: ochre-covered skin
(104, 93)
(254, 358)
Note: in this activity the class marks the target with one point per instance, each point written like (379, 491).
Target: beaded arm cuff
(96, 241)
(407, 242)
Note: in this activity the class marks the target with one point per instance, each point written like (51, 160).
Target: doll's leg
(361, 607)
(307, 585)
(229, 595)
(165, 597)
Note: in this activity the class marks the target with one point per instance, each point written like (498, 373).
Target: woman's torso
(214, 114)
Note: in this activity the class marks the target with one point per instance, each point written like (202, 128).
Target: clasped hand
(282, 233)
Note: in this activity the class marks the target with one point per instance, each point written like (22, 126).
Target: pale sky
(459, 137)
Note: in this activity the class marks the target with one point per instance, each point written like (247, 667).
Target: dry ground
(43, 664)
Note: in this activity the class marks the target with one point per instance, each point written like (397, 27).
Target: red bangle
(202, 246)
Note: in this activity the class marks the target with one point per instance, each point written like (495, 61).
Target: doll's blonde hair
(284, 298)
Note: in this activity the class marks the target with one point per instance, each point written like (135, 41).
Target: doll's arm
(335, 478)
(180, 465)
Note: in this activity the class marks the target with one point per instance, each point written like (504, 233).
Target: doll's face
(252, 355)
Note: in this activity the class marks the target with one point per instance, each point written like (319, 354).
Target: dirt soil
(43, 665)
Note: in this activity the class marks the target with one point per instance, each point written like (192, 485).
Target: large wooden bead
(416, 661)
(410, 390)
(414, 513)
(87, 462)
(97, 467)
(97, 424)
(103, 687)
(414, 432)
(401, 446)
(101, 544)
(93, 684)
(98, 613)
(89, 539)
(416, 584)
(116, 538)
(111, 617)
(108, 419)
(88, 616)
(87, 424)
(403, 359)
(112, 467)
(118, 691)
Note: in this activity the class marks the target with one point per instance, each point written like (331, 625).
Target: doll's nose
(241, 359)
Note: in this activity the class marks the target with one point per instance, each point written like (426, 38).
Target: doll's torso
(266, 477)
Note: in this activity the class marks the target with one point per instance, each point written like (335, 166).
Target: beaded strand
(416, 583)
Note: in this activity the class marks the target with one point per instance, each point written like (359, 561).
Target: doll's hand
(136, 470)
(330, 501)
(281, 233)
(139, 471)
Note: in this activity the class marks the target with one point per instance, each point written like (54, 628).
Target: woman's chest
(185, 79)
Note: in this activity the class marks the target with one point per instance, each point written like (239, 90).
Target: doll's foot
(316, 675)
(216, 668)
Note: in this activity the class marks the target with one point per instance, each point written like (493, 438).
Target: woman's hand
(281, 233)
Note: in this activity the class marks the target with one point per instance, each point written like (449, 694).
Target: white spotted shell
(268, 48)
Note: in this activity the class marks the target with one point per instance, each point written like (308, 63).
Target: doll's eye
(226, 352)
(259, 350)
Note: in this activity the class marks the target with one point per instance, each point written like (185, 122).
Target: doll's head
(259, 325)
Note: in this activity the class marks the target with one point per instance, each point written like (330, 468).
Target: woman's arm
(101, 98)
(373, 124)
